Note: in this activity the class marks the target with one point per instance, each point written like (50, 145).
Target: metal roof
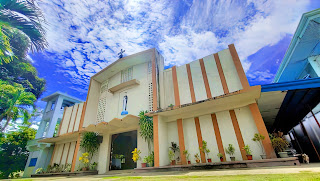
(305, 43)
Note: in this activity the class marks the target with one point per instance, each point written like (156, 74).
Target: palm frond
(25, 16)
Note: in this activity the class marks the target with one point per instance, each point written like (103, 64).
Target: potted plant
(136, 156)
(171, 157)
(171, 106)
(149, 159)
(187, 154)
(259, 138)
(205, 150)
(197, 157)
(90, 143)
(85, 161)
(279, 144)
(220, 155)
(175, 148)
(248, 151)
(230, 151)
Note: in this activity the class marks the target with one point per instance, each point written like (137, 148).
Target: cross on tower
(121, 53)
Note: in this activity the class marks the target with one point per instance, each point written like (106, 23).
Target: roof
(123, 63)
(283, 105)
(71, 98)
(305, 43)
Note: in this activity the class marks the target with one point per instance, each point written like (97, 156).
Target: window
(33, 162)
(124, 106)
(52, 106)
(126, 75)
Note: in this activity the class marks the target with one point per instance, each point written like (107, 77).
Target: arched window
(124, 106)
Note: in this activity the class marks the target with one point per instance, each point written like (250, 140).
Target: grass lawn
(285, 177)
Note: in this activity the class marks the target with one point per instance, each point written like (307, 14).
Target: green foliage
(230, 150)
(93, 166)
(149, 159)
(5, 49)
(17, 174)
(174, 147)
(197, 156)
(247, 149)
(259, 138)
(279, 143)
(26, 17)
(220, 155)
(205, 149)
(146, 128)
(185, 152)
(20, 69)
(90, 143)
(14, 102)
(13, 152)
(171, 155)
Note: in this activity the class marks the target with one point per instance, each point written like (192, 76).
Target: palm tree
(25, 16)
(14, 102)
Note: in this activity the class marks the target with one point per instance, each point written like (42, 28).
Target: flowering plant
(84, 159)
(136, 155)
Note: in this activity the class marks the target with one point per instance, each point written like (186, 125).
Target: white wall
(197, 79)
(209, 136)
(142, 145)
(229, 70)
(190, 138)
(163, 141)
(248, 128)
(172, 128)
(213, 76)
(168, 88)
(228, 135)
(183, 84)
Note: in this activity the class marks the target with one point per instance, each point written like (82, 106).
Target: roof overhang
(302, 46)
(225, 102)
(58, 93)
(283, 105)
(123, 63)
(116, 125)
(67, 137)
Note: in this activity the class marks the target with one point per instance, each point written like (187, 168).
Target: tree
(14, 102)
(24, 16)
(13, 152)
(19, 69)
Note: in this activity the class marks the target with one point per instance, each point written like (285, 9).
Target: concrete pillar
(315, 64)
(104, 154)
(41, 129)
(54, 119)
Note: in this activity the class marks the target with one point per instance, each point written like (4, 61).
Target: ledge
(224, 102)
(123, 85)
(63, 137)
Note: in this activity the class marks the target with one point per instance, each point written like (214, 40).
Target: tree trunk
(7, 123)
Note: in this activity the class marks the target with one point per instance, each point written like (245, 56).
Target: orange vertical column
(221, 74)
(54, 151)
(155, 107)
(199, 135)
(218, 135)
(193, 96)
(205, 79)
(75, 118)
(196, 119)
(181, 142)
(237, 63)
(262, 130)
(238, 133)
(75, 154)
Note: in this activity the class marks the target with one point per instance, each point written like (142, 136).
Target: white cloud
(87, 35)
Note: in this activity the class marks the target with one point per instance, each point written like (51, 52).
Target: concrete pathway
(313, 167)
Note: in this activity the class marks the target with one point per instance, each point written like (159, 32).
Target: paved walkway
(313, 167)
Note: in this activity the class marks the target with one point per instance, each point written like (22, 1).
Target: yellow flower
(80, 158)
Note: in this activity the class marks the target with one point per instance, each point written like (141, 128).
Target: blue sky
(85, 36)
